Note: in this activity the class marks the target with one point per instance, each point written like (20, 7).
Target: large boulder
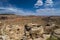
(35, 30)
(57, 33)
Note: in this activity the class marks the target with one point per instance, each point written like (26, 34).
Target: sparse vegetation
(53, 38)
(15, 24)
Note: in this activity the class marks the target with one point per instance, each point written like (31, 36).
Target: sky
(31, 7)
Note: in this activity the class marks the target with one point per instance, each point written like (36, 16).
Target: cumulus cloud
(49, 3)
(40, 12)
(48, 9)
(46, 4)
(38, 3)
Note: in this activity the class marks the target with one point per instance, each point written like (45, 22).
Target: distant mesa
(4, 16)
(7, 14)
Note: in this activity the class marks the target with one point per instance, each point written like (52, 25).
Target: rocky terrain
(16, 27)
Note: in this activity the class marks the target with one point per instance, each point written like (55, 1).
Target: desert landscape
(17, 27)
(29, 19)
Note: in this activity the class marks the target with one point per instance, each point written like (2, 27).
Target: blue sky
(30, 7)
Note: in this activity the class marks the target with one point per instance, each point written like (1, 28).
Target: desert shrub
(52, 38)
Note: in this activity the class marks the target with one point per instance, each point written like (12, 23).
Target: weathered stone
(57, 33)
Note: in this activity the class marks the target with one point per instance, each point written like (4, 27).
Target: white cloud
(38, 3)
(45, 11)
(49, 3)
(48, 11)
(16, 11)
(40, 12)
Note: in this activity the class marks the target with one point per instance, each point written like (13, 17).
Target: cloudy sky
(30, 7)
